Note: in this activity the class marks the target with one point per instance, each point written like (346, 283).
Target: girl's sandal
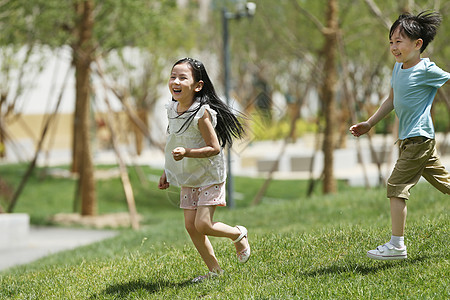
(207, 276)
(243, 255)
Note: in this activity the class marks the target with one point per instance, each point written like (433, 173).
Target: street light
(245, 10)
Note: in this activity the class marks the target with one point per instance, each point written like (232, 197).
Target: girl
(200, 125)
(414, 84)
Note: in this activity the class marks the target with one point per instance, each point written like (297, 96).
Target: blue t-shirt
(414, 91)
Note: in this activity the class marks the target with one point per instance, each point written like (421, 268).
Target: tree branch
(311, 17)
(377, 12)
(128, 110)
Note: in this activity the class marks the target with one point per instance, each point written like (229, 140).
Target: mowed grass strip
(301, 248)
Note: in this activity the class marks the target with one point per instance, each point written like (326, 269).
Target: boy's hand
(163, 184)
(360, 128)
(178, 153)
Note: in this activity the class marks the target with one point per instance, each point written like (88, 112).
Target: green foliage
(117, 23)
(386, 124)
(283, 42)
(150, 201)
(441, 117)
(38, 21)
(303, 248)
(264, 129)
(140, 23)
(280, 46)
(59, 193)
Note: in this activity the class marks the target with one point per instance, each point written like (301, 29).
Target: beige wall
(29, 127)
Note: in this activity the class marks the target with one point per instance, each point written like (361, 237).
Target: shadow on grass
(362, 270)
(122, 290)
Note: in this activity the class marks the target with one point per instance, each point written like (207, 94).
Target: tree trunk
(82, 59)
(142, 114)
(2, 143)
(328, 94)
(76, 138)
(2, 132)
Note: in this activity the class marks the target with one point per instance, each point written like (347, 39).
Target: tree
(293, 43)
(90, 28)
(83, 56)
(295, 52)
(329, 94)
(133, 74)
(17, 73)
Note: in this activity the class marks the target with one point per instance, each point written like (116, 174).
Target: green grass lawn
(301, 247)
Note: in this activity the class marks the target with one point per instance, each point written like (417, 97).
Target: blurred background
(84, 83)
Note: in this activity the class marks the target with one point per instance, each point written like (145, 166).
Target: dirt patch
(116, 220)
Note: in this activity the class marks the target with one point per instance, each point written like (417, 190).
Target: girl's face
(182, 85)
(404, 49)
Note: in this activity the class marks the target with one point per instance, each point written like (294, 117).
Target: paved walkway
(43, 241)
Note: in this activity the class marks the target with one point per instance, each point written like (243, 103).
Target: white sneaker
(387, 252)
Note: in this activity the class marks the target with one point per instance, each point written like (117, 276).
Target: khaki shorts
(192, 197)
(417, 157)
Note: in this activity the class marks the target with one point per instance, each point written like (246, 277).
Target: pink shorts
(191, 197)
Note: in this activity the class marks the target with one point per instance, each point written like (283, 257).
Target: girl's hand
(178, 153)
(360, 128)
(163, 184)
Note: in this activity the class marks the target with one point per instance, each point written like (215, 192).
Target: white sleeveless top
(192, 172)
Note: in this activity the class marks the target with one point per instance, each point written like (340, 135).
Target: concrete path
(43, 241)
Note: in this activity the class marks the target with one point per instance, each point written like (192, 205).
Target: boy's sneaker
(387, 252)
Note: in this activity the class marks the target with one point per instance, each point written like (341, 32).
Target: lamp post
(247, 10)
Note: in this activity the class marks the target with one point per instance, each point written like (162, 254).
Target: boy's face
(404, 49)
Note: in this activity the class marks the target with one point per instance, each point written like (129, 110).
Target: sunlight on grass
(301, 248)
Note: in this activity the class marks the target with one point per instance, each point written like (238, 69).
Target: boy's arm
(385, 108)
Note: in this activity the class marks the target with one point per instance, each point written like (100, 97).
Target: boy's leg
(201, 242)
(398, 216)
(395, 248)
(436, 174)
(204, 223)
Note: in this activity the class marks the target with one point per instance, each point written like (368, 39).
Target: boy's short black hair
(423, 26)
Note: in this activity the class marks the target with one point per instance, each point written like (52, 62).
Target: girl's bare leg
(204, 224)
(201, 241)
(398, 216)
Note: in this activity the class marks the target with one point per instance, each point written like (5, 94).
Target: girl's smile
(182, 85)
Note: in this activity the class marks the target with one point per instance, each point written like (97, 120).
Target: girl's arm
(163, 184)
(385, 108)
(209, 136)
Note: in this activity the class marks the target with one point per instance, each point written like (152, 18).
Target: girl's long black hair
(228, 125)
(423, 26)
